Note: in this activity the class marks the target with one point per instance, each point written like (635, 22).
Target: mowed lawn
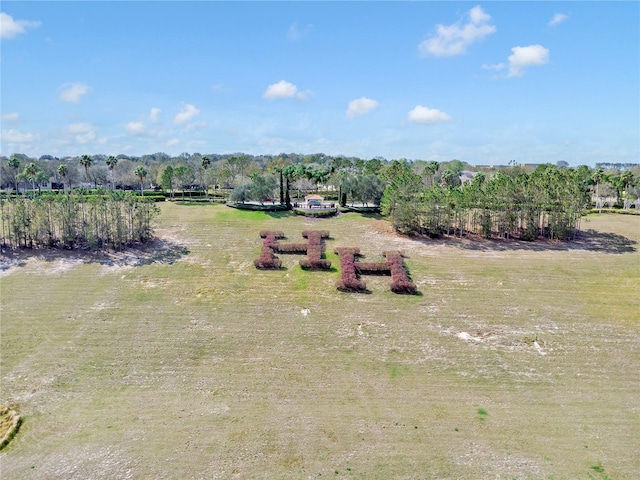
(517, 360)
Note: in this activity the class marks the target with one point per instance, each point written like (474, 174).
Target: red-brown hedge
(400, 282)
(349, 281)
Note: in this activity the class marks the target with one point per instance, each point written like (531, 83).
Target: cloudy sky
(486, 83)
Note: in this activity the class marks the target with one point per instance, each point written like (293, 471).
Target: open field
(517, 360)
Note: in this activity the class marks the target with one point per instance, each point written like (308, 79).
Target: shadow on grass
(588, 240)
(156, 251)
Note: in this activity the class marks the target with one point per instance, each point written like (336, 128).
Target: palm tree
(626, 178)
(597, 176)
(63, 171)
(111, 163)
(205, 163)
(141, 173)
(86, 161)
(30, 173)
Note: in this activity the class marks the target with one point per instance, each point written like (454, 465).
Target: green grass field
(517, 360)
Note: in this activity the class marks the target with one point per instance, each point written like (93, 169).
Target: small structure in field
(314, 201)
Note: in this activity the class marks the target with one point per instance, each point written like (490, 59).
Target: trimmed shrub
(349, 281)
(400, 282)
(290, 247)
(373, 268)
(312, 234)
(273, 233)
(268, 260)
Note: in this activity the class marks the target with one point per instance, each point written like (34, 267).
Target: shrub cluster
(274, 233)
(349, 281)
(400, 282)
(291, 247)
(314, 260)
(268, 259)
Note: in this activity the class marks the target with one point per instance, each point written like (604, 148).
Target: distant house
(467, 176)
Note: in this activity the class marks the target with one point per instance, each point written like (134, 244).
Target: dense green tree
(184, 176)
(262, 187)
(401, 201)
(14, 165)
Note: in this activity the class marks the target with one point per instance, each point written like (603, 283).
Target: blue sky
(485, 83)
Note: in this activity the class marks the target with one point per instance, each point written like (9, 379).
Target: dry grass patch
(205, 367)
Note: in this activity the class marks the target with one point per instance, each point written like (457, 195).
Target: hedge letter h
(351, 269)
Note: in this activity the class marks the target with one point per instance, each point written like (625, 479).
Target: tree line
(418, 196)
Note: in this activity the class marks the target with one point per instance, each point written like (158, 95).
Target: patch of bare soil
(54, 262)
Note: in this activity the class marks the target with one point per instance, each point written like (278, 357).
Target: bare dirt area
(181, 360)
(55, 262)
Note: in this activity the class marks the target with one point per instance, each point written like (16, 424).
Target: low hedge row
(291, 247)
(373, 268)
(329, 212)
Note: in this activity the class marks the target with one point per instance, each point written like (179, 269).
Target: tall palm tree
(205, 163)
(597, 176)
(141, 173)
(30, 173)
(63, 171)
(111, 163)
(86, 161)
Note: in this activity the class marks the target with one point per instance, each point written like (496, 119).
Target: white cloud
(427, 116)
(10, 117)
(557, 19)
(173, 142)
(81, 132)
(498, 66)
(187, 113)
(295, 33)
(15, 136)
(135, 128)
(523, 57)
(10, 28)
(154, 114)
(361, 106)
(283, 89)
(454, 39)
(73, 91)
